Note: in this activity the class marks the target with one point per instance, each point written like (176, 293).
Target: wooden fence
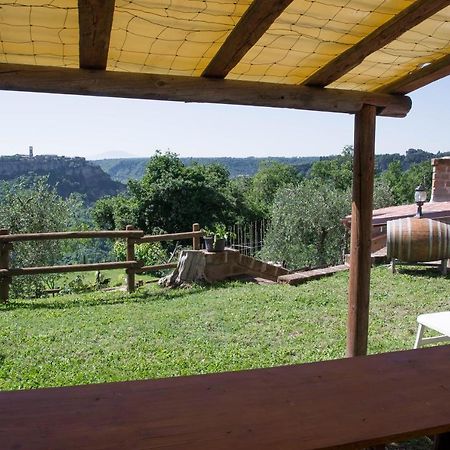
(131, 265)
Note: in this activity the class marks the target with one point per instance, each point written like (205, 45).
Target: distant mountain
(124, 169)
(133, 168)
(113, 154)
(412, 156)
(68, 175)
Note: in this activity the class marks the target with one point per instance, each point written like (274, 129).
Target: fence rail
(131, 265)
(146, 269)
(71, 235)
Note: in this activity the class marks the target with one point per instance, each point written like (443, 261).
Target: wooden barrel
(418, 240)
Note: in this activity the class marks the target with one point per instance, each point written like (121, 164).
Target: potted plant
(216, 238)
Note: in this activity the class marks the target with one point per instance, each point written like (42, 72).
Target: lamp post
(420, 196)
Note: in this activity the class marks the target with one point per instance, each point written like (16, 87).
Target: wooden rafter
(419, 78)
(259, 16)
(391, 30)
(16, 77)
(95, 21)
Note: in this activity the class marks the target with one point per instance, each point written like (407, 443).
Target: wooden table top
(349, 403)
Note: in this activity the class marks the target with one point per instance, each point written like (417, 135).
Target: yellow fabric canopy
(180, 37)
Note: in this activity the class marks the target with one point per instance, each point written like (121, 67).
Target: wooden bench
(342, 404)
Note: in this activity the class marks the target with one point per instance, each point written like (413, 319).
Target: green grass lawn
(117, 277)
(101, 337)
(90, 338)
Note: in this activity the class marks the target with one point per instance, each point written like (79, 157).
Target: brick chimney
(440, 191)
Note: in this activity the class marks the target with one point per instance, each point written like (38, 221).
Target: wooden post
(4, 264)
(361, 231)
(442, 442)
(444, 264)
(131, 276)
(195, 239)
(393, 266)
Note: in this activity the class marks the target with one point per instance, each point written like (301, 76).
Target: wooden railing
(131, 265)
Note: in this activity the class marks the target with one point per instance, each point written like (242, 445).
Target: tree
(114, 213)
(30, 205)
(403, 183)
(306, 227)
(264, 185)
(382, 194)
(241, 191)
(172, 196)
(336, 171)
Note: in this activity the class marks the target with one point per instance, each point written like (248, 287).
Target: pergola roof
(368, 46)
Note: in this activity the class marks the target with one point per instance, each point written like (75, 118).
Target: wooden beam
(194, 89)
(361, 231)
(95, 21)
(71, 268)
(419, 78)
(259, 16)
(172, 237)
(388, 32)
(114, 234)
(145, 269)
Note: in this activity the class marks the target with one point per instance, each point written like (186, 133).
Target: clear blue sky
(91, 126)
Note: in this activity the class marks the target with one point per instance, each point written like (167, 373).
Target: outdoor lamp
(420, 196)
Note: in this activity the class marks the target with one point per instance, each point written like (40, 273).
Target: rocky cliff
(66, 174)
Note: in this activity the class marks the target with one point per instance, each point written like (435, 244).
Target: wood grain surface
(342, 404)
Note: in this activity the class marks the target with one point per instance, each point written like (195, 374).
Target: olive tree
(30, 205)
(306, 229)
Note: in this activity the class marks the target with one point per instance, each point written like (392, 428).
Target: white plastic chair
(439, 322)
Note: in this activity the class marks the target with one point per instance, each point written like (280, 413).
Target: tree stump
(190, 269)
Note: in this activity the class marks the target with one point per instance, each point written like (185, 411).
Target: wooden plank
(171, 236)
(71, 235)
(70, 268)
(342, 404)
(361, 232)
(95, 19)
(194, 89)
(419, 11)
(419, 78)
(256, 20)
(297, 278)
(145, 269)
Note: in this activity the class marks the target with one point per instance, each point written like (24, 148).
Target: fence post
(196, 239)
(131, 277)
(4, 264)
